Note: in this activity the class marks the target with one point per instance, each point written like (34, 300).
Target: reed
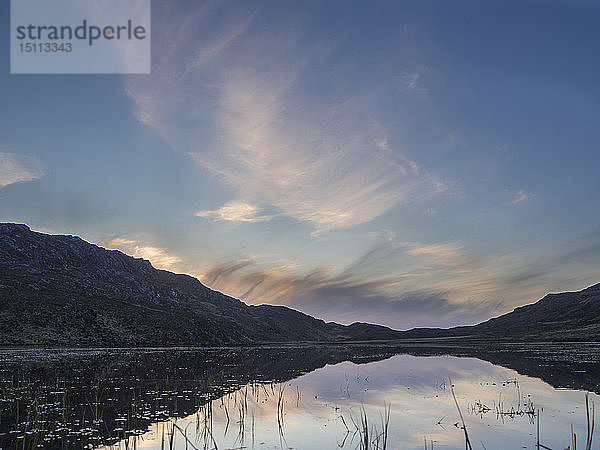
(462, 420)
(371, 438)
(589, 411)
(385, 425)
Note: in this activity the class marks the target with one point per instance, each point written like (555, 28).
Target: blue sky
(405, 163)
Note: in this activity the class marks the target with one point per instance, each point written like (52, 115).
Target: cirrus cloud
(521, 196)
(236, 102)
(159, 257)
(236, 211)
(15, 168)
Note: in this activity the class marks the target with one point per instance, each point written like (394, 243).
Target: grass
(370, 436)
(531, 411)
(522, 409)
(590, 422)
(462, 420)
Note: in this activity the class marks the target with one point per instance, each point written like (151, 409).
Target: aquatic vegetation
(462, 420)
(233, 398)
(527, 409)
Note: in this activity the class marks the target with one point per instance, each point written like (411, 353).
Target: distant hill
(63, 291)
(568, 316)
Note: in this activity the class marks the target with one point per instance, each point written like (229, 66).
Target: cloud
(443, 254)
(344, 297)
(236, 211)
(521, 196)
(432, 281)
(410, 82)
(159, 257)
(15, 168)
(399, 284)
(402, 162)
(234, 99)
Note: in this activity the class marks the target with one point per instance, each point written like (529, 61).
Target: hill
(62, 290)
(567, 316)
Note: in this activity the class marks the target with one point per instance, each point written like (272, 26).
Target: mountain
(568, 316)
(61, 290)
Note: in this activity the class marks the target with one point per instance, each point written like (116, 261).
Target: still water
(305, 397)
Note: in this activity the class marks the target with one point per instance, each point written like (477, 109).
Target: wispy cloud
(236, 211)
(410, 82)
(401, 284)
(345, 296)
(444, 254)
(397, 159)
(521, 196)
(15, 168)
(316, 160)
(432, 280)
(159, 257)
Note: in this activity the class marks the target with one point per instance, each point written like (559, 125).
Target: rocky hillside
(568, 316)
(61, 290)
(573, 313)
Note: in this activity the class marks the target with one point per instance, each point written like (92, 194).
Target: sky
(408, 163)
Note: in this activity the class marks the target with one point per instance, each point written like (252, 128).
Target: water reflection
(294, 397)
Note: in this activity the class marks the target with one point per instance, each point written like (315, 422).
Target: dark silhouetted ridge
(62, 290)
(568, 316)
